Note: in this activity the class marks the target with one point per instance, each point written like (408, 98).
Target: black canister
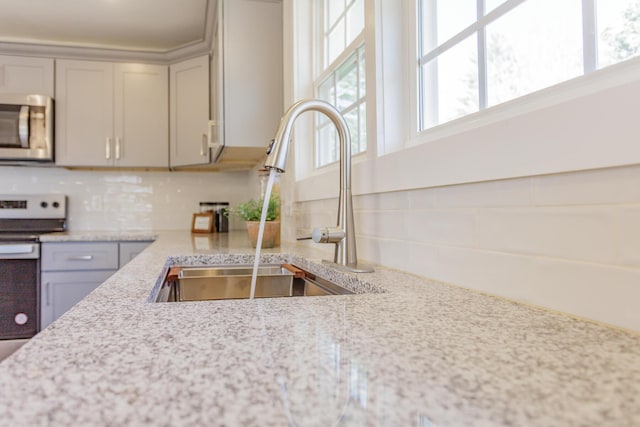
(219, 218)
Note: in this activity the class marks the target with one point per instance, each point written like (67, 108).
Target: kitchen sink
(189, 283)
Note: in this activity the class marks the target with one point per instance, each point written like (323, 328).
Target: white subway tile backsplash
(604, 186)
(383, 201)
(511, 192)
(570, 242)
(128, 200)
(605, 293)
(443, 227)
(382, 224)
(629, 235)
(497, 273)
(586, 233)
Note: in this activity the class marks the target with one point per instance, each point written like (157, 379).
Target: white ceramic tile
(386, 224)
(578, 233)
(629, 235)
(500, 274)
(382, 201)
(443, 227)
(602, 186)
(598, 292)
(414, 258)
(511, 192)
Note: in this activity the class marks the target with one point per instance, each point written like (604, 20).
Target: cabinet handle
(80, 258)
(118, 140)
(203, 146)
(1, 75)
(107, 153)
(23, 126)
(46, 294)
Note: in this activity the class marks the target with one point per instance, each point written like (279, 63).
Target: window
(341, 77)
(474, 54)
(618, 29)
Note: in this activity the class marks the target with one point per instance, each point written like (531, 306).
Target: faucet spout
(343, 235)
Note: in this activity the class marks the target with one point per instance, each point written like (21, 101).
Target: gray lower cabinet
(129, 250)
(71, 270)
(61, 290)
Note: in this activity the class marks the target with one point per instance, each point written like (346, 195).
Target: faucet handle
(327, 235)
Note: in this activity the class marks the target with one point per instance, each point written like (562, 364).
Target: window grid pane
(618, 23)
(344, 88)
(526, 46)
(354, 20)
(529, 49)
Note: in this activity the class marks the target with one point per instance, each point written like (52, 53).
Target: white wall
(129, 200)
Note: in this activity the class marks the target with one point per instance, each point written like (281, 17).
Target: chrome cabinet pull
(203, 146)
(80, 258)
(23, 126)
(118, 140)
(107, 153)
(46, 293)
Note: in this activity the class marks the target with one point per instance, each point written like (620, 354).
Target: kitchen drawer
(79, 256)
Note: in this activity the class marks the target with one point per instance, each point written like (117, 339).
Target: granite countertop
(409, 351)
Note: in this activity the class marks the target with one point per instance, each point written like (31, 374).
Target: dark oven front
(19, 288)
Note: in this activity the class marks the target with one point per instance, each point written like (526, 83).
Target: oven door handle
(23, 126)
(16, 249)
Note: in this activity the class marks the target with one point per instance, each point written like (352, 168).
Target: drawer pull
(80, 258)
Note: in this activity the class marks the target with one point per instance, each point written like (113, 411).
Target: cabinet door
(84, 113)
(129, 250)
(26, 75)
(141, 126)
(189, 112)
(62, 290)
(252, 68)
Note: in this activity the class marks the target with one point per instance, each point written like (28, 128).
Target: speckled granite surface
(415, 353)
(93, 236)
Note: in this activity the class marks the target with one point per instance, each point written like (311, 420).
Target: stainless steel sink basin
(234, 282)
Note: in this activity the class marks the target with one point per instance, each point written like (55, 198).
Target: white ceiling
(151, 26)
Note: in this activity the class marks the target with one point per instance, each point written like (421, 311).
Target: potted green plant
(251, 212)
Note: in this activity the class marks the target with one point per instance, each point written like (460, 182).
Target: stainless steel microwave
(26, 128)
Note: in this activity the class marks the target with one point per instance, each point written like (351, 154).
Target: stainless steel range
(23, 218)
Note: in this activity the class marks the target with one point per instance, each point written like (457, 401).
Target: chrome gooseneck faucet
(343, 235)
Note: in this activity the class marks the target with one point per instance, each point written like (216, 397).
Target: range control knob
(44, 205)
(55, 205)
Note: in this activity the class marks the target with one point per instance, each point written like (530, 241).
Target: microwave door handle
(23, 126)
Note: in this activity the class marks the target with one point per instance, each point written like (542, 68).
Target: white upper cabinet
(26, 75)
(189, 112)
(141, 126)
(111, 114)
(246, 90)
(252, 81)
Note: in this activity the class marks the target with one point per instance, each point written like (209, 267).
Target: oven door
(19, 267)
(14, 126)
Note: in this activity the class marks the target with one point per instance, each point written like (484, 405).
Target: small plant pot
(271, 236)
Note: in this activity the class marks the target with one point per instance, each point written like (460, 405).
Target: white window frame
(325, 70)
(331, 72)
(589, 38)
(553, 130)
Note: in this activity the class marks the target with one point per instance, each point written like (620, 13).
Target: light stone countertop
(408, 352)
